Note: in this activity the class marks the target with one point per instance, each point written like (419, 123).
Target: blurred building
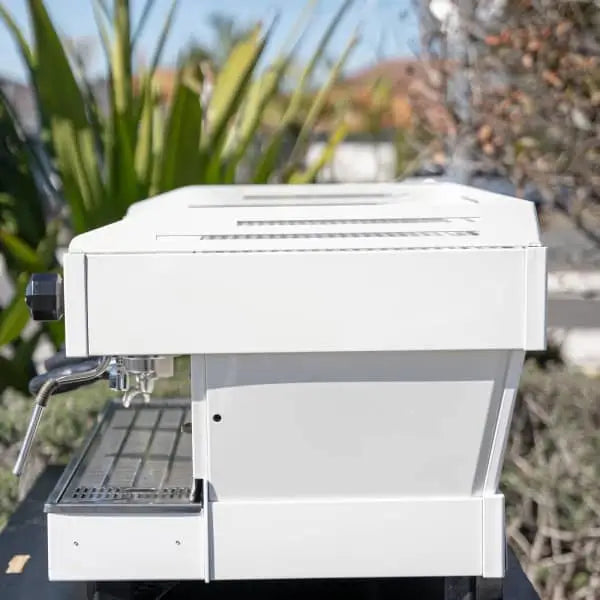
(393, 101)
(21, 98)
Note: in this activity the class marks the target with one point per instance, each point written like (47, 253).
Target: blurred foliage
(28, 242)
(93, 161)
(551, 482)
(533, 77)
(8, 495)
(541, 119)
(227, 32)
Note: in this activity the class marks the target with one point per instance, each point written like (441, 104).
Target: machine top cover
(313, 218)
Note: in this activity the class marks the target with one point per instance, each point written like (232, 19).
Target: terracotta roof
(400, 91)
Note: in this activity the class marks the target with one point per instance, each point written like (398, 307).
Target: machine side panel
(494, 540)
(306, 302)
(535, 299)
(417, 537)
(507, 406)
(76, 329)
(199, 418)
(376, 424)
(200, 444)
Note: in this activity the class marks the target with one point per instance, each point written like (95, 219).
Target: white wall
(356, 162)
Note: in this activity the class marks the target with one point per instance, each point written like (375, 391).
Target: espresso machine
(355, 351)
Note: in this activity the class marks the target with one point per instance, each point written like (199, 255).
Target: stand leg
(473, 588)
(459, 588)
(489, 589)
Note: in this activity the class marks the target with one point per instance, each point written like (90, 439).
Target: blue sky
(388, 27)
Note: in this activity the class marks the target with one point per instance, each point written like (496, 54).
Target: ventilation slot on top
(324, 235)
(292, 222)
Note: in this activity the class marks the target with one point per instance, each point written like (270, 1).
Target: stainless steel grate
(137, 458)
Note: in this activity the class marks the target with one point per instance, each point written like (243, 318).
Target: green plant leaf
(46, 248)
(181, 158)
(15, 316)
(271, 156)
(73, 138)
(55, 331)
(89, 162)
(11, 377)
(81, 178)
(21, 368)
(144, 147)
(320, 99)
(122, 87)
(159, 120)
(231, 86)
(124, 189)
(100, 17)
(19, 36)
(310, 174)
(162, 38)
(139, 28)
(63, 139)
(269, 159)
(146, 87)
(23, 254)
(261, 94)
(18, 160)
(300, 89)
(59, 95)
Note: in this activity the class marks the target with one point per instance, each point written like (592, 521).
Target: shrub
(551, 481)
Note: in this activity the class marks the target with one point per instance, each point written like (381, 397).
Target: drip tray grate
(136, 459)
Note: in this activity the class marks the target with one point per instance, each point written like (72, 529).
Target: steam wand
(41, 400)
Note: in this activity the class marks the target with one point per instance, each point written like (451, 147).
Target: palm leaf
(59, 95)
(269, 160)
(144, 146)
(19, 36)
(305, 78)
(292, 113)
(122, 189)
(181, 160)
(162, 38)
(100, 17)
(63, 140)
(231, 85)
(24, 255)
(15, 316)
(122, 85)
(310, 174)
(320, 100)
(142, 22)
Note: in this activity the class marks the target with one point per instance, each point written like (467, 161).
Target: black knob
(44, 296)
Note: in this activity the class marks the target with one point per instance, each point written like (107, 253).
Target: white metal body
(362, 345)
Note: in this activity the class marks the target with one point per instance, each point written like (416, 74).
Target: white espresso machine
(354, 356)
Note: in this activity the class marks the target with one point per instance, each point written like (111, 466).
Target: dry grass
(552, 482)
(551, 477)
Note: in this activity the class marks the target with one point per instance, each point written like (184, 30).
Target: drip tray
(136, 459)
